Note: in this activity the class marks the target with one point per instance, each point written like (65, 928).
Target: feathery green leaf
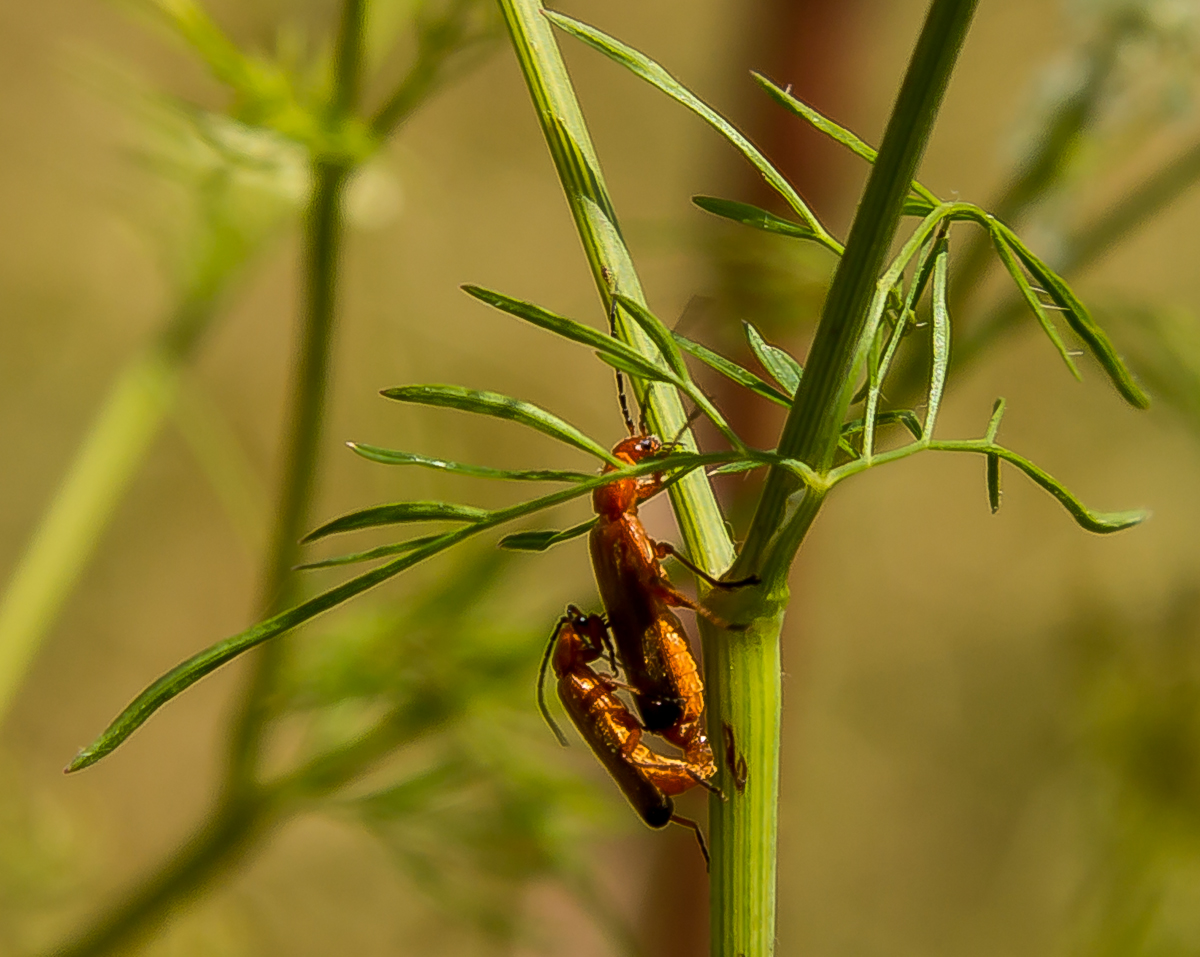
(781, 365)
(397, 457)
(749, 215)
(501, 407)
(397, 513)
(540, 540)
(187, 673)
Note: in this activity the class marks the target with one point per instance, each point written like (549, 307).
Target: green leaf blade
(732, 371)
(993, 482)
(502, 407)
(754, 217)
(834, 131)
(659, 334)
(1005, 254)
(397, 513)
(396, 457)
(542, 539)
(383, 551)
(654, 74)
(781, 365)
(602, 342)
(1081, 321)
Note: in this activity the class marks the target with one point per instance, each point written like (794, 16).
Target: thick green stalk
(744, 668)
(324, 226)
(835, 359)
(101, 471)
(558, 111)
(241, 815)
(742, 897)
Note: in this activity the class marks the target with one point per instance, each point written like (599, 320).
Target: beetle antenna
(541, 685)
(612, 331)
(692, 417)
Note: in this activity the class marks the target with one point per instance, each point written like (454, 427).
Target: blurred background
(992, 723)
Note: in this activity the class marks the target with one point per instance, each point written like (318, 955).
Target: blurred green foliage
(465, 790)
(1136, 692)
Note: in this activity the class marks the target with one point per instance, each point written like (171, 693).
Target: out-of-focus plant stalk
(115, 445)
(247, 807)
(324, 227)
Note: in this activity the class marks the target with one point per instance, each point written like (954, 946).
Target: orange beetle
(647, 779)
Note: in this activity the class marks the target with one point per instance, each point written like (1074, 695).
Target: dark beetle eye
(580, 622)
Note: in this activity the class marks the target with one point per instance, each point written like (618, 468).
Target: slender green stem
(247, 806)
(101, 471)
(323, 239)
(221, 842)
(835, 359)
(699, 517)
(744, 668)
(324, 225)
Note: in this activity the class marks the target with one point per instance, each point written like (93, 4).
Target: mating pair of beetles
(653, 650)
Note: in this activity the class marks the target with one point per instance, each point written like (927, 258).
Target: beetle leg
(673, 596)
(663, 549)
(695, 828)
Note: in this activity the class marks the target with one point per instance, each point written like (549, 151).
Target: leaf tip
(85, 758)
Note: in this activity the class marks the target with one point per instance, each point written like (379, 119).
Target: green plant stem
(835, 360)
(242, 812)
(101, 471)
(736, 892)
(324, 227)
(221, 842)
(574, 157)
(744, 668)
(238, 821)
